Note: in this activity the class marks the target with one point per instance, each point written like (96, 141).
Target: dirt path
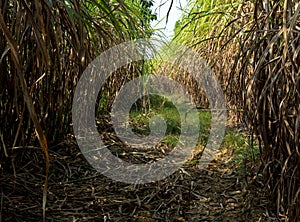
(78, 193)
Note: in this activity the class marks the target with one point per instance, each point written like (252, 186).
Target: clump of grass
(140, 116)
(158, 105)
(241, 145)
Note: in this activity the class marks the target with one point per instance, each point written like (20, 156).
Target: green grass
(244, 150)
(158, 105)
(238, 142)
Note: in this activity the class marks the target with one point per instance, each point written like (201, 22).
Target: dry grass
(46, 46)
(271, 97)
(253, 48)
(213, 29)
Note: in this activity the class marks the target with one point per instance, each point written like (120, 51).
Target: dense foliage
(50, 43)
(254, 50)
(252, 46)
(44, 48)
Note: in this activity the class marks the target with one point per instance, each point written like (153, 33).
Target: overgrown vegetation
(271, 96)
(45, 47)
(212, 28)
(253, 48)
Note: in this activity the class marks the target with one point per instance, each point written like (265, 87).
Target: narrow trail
(78, 193)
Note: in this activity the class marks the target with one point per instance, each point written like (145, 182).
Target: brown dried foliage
(256, 59)
(271, 98)
(44, 48)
